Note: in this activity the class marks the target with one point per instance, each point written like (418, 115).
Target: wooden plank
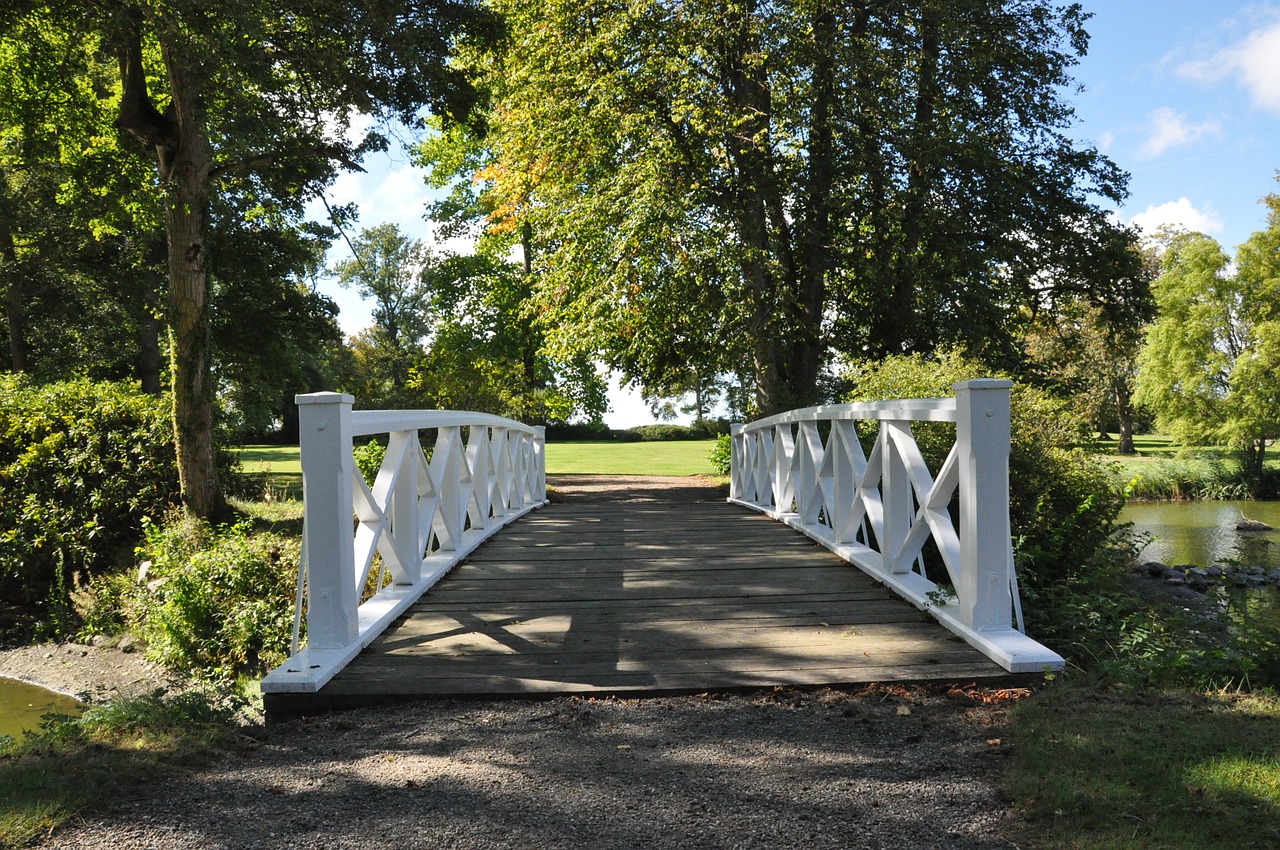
(628, 597)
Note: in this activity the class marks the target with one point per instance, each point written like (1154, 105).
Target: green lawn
(677, 457)
(1107, 769)
(281, 466)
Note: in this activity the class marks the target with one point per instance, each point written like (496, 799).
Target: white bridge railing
(879, 511)
(422, 516)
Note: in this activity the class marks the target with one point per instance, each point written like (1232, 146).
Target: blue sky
(1182, 94)
(1185, 96)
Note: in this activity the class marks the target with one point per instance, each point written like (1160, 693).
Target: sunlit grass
(676, 457)
(280, 468)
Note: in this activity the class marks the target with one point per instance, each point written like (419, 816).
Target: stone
(129, 643)
(1246, 524)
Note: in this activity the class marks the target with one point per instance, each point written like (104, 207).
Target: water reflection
(1203, 533)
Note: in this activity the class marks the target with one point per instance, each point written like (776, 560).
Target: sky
(1184, 95)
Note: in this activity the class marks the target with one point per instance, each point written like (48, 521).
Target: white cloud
(1254, 63)
(1169, 129)
(1180, 213)
(1105, 141)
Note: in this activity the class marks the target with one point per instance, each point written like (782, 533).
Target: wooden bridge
(624, 587)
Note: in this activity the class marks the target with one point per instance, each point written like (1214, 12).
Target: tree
(862, 178)
(388, 267)
(485, 353)
(256, 97)
(1087, 348)
(1210, 365)
(80, 237)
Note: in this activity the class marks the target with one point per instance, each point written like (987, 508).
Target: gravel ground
(893, 767)
(883, 768)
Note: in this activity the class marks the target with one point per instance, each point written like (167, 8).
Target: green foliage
(722, 455)
(712, 186)
(217, 603)
(1202, 475)
(1210, 368)
(81, 466)
(654, 433)
(369, 459)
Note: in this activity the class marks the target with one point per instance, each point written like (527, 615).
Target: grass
(676, 457)
(1099, 768)
(76, 764)
(269, 474)
(278, 468)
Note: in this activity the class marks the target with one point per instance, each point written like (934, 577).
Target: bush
(217, 603)
(722, 455)
(81, 465)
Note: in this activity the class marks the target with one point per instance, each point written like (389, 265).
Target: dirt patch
(100, 672)
(634, 488)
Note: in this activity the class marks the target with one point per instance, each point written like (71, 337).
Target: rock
(1246, 524)
(1153, 568)
(129, 643)
(1274, 577)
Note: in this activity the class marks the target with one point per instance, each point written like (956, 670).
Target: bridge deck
(627, 590)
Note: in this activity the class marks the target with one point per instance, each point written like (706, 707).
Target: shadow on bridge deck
(634, 587)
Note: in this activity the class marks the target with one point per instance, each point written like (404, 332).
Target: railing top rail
(384, 421)
(365, 422)
(915, 409)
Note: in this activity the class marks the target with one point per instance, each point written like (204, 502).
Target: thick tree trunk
(184, 163)
(785, 313)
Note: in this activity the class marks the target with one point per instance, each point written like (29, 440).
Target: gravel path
(897, 767)
(900, 768)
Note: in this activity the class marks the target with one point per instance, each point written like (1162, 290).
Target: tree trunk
(895, 331)
(1124, 418)
(14, 306)
(189, 322)
(149, 354)
(785, 315)
(184, 163)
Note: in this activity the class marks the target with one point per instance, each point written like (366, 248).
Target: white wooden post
(737, 462)
(982, 438)
(327, 470)
(539, 463)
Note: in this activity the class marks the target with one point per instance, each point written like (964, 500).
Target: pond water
(22, 705)
(1204, 533)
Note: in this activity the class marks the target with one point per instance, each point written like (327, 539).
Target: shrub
(81, 465)
(722, 455)
(369, 459)
(217, 603)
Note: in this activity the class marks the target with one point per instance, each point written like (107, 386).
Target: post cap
(323, 398)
